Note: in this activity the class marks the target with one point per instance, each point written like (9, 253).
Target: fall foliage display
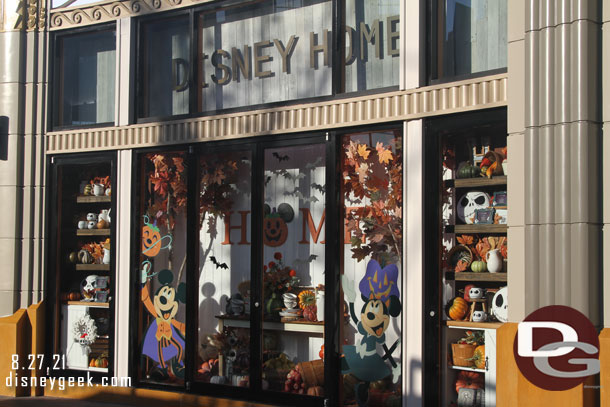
(372, 180)
(168, 181)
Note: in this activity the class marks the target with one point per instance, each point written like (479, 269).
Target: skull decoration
(475, 293)
(499, 305)
(479, 316)
(469, 203)
(87, 288)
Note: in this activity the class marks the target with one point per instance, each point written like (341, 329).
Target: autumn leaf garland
(374, 176)
(168, 180)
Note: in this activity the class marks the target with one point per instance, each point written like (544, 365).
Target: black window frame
(54, 90)
(432, 55)
(331, 141)
(337, 64)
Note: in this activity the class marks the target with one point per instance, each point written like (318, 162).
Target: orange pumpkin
(469, 380)
(151, 240)
(458, 308)
(479, 357)
(275, 230)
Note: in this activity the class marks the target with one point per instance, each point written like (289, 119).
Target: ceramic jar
(494, 261)
(98, 189)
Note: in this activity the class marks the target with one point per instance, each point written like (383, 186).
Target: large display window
(80, 264)
(241, 247)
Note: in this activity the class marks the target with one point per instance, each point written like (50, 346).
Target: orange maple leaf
(363, 152)
(465, 240)
(385, 156)
(461, 266)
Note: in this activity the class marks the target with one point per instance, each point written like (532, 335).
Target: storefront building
(302, 202)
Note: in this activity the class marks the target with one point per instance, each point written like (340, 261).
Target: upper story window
(467, 37)
(260, 53)
(372, 39)
(165, 61)
(84, 78)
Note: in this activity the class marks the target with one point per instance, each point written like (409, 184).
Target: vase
(106, 258)
(98, 189)
(494, 261)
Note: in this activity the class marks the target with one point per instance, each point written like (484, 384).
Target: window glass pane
(162, 268)
(85, 79)
(263, 53)
(294, 240)
(224, 268)
(372, 268)
(470, 37)
(166, 67)
(372, 39)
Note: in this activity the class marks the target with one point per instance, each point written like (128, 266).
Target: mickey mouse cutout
(379, 291)
(164, 340)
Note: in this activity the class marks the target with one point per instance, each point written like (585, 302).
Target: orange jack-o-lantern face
(151, 241)
(275, 231)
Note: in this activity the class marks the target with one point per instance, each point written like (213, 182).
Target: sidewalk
(51, 402)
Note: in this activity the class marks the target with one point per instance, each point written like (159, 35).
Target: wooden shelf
(476, 228)
(476, 182)
(469, 369)
(93, 232)
(93, 199)
(469, 276)
(90, 304)
(89, 369)
(93, 267)
(292, 326)
(480, 325)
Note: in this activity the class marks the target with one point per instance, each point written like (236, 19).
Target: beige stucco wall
(22, 89)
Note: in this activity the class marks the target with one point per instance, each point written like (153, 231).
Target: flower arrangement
(278, 278)
(105, 181)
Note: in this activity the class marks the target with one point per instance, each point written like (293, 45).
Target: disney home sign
(250, 56)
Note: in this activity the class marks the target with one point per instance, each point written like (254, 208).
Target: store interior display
(83, 269)
(474, 261)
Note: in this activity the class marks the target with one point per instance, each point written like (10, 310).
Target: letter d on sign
(526, 342)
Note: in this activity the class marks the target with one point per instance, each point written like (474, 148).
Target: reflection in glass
(372, 37)
(162, 268)
(224, 268)
(372, 268)
(85, 78)
(166, 67)
(293, 272)
(471, 37)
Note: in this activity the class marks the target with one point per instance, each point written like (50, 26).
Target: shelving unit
(468, 145)
(93, 232)
(69, 207)
(292, 326)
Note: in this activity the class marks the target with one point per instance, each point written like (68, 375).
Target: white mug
(91, 224)
(91, 216)
(82, 224)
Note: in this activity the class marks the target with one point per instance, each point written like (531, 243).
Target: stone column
(555, 138)
(22, 92)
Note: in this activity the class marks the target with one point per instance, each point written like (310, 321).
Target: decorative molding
(101, 12)
(474, 94)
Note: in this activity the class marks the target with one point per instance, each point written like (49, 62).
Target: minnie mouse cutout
(379, 291)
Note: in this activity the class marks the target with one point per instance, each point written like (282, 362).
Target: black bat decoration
(217, 264)
(281, 158)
